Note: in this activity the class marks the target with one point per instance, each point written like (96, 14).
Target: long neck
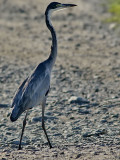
(53, 53)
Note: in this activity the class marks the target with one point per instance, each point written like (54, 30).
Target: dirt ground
(82, 115)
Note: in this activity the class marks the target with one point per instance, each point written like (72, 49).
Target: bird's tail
(16, 112)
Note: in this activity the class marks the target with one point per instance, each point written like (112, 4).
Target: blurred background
(82, 113)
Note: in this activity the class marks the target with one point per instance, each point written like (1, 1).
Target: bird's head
(57, 6)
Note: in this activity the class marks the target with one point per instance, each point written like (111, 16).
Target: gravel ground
(83, 107)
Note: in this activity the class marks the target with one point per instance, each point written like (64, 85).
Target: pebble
(112, 26)
(118, 75)
(82, 111)
(78, 100)
(3, 105)
(103, 121)
(78, 156)
(4, 158)
(87, 134)
(78, 45)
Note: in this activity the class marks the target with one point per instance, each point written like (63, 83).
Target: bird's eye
(58, 5)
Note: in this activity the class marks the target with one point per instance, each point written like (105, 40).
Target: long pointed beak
(68, 5)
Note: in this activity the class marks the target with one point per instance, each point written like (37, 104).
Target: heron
(35, 88)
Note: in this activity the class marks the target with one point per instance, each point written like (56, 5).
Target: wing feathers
(32, 90)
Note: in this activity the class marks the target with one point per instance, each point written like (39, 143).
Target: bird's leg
(24, 124)
(43, 124)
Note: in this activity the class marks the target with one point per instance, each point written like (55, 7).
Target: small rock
(37, 119)
(116, 53)
(21, 10)
(103, 121)
(96, 153)
(96, 89)
(118, 75)
(77, 100)
(70, 39)
(100, 132)
(62, 152)
(116, 116)
(72, 118)
(78, 45)
(81, 111)
(112, 26)
(76, 128)
(87, 134)
(4, 159)
(17, 142)
(3, 106)
(78, 156)
(86, 25)
(57, 134)
(103, 36)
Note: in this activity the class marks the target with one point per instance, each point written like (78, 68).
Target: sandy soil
(83, 107)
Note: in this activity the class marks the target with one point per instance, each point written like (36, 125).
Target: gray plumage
(33, 91)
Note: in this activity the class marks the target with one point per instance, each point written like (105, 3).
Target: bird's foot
(19, 147)
(50, 146)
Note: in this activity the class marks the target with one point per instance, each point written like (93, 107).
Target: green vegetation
(114, 8)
